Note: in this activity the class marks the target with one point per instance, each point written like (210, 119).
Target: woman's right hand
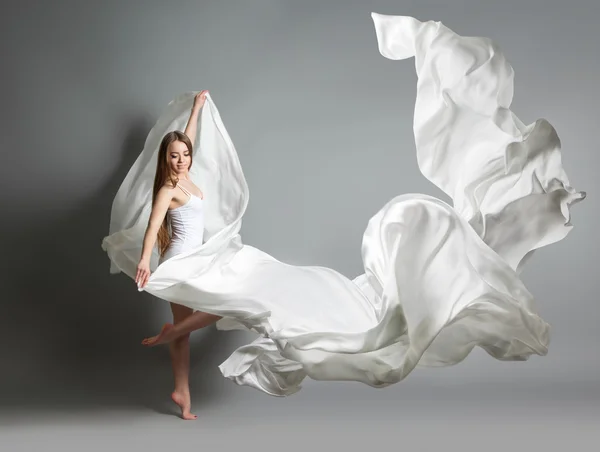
(143, 273)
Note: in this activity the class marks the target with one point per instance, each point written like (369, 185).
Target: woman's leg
(180, 360)
(170, 332)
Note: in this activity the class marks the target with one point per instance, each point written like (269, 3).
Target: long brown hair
(163, 173)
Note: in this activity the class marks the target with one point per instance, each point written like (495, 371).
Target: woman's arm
(159, 210)
(190, 129)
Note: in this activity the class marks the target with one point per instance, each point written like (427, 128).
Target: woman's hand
(143, 273)
(200, 98)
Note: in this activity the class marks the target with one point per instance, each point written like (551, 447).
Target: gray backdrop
(82, 84)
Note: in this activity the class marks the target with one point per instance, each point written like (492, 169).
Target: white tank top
(187, 225)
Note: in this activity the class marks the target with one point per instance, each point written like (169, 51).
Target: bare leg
(180, 360)
(170, 332)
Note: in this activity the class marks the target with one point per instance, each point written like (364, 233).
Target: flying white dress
(439, 279)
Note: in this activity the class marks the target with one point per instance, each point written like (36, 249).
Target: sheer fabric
(438, 279)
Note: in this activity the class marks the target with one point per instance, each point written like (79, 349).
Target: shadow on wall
(72, 331)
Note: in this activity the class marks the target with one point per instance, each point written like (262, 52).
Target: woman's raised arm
(190, 129)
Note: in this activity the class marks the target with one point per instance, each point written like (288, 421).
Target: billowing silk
(438, 279)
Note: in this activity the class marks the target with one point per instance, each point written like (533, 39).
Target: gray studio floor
(482, 405)
(457, 418)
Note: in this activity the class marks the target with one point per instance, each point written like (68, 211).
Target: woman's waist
(186, 239)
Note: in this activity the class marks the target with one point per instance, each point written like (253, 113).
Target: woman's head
(174, 156)
(174, 161)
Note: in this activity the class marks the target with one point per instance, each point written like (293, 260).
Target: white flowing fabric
(439, 279)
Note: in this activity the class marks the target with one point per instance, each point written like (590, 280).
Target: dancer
(176, 223)
(439, 279)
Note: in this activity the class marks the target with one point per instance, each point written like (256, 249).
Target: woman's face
(179, 157)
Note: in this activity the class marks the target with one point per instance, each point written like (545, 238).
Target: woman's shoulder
(169, 184)
(167, 188)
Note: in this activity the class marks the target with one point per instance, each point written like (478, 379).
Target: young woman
(176, 207)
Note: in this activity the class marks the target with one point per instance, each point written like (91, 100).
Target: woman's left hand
(200, 98)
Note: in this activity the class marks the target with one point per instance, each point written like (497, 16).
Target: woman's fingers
(141, 277)
(202, 94)
(144, 278)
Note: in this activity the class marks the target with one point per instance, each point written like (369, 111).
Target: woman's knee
(180, 312)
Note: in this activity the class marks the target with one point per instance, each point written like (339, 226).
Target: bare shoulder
(166, 191)
(168, 185)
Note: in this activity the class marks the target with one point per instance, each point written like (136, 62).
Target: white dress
(187, 226)
(438, 279)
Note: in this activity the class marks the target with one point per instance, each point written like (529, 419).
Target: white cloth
(439, 279)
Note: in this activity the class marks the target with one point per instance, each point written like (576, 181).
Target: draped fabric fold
(438, 279)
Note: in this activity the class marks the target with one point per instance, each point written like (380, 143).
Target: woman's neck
(185, 176)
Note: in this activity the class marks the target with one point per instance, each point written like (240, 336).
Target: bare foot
(165, 335)
(184, 402)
